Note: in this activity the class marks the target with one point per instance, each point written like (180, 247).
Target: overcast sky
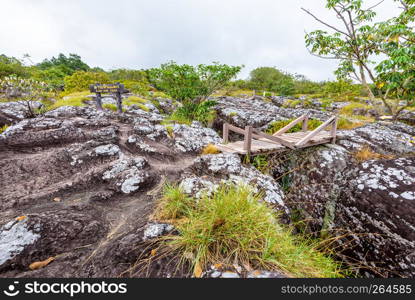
(145, 33)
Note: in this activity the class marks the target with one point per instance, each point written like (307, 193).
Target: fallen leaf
(57, 199)
(153, 252)
(40, 264)
(21, 218)
(198, 271)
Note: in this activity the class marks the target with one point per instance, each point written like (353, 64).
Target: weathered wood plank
(248, 139)
(311, 134)
(274, 138)
(236, 129)
(225, 133)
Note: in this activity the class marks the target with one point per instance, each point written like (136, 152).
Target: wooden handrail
(303, 118)
(313, 133)
(260, 134)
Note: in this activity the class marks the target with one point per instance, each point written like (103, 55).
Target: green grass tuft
(110, 106)
(234, 226)
(134, 100)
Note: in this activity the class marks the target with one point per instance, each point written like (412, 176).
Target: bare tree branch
(326, 24)
(376, 5)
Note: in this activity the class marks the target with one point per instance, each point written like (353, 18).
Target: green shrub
(12, 66)
(201, 112)
(81, 80)
(136, 87)
(271, 79)
(233, 226)
(188, 83)
(277, 125)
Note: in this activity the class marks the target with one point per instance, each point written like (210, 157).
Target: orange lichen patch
(365, 153)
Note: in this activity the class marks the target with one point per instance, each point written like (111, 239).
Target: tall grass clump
(233, 226)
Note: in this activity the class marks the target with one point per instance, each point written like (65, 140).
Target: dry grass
(210, 149)
(365, 153)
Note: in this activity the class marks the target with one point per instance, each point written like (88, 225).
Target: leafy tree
(12, 66)
(341, 88)
(127, 74)
(54, 76)
(351, 41)
(188, 83)
(271, 79)
(80, 80)
(302, 85)
(67, 64)
(134, 80)
(396, 73)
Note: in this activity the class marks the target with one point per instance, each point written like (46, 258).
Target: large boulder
(366, 207)
(11, 112)
(258, 113)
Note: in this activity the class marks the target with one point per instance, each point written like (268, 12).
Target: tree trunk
(366, 85)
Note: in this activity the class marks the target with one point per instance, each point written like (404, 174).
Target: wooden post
(98, 101)
(225, 133)
(248, 139)
(305, 124)
(119, 101)
(333, 131)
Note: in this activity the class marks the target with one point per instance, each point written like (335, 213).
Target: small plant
(260, 162)
(170, 131)
(210, 149)
(110, 106)
(232, 226)
(3, 128)
(365, 153)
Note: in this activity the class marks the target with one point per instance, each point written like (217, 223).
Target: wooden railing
(332, 121)
(303, 118)
(250, 133)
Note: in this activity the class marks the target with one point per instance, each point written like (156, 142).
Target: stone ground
(79, 185)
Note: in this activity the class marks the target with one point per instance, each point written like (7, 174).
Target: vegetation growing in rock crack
(231, 226)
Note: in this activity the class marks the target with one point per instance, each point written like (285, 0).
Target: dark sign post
(116, 89)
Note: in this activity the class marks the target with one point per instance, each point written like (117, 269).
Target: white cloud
(142, 34)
